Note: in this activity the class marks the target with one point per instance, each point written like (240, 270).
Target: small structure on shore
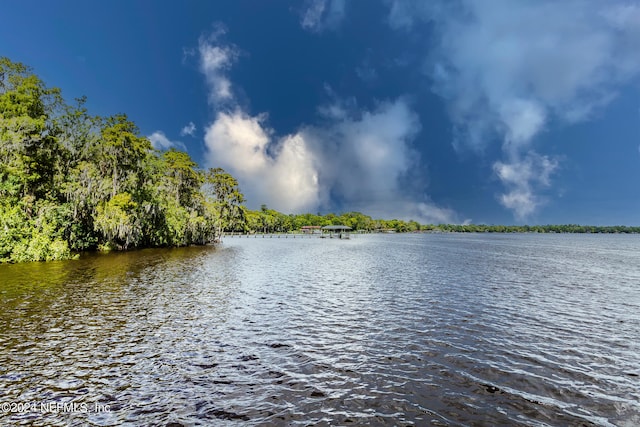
(337, 231)
(311, 229)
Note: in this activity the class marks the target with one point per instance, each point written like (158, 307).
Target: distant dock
(270, 235)
(336, 231)
(326, 232)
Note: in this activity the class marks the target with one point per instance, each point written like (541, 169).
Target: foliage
(117, 221)
(564, 228)
(270, 221)
(225, 199)
(70, 181)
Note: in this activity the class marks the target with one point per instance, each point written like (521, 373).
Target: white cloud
(522, 120)
(278, 172)
(364, 157)
(522, 178)
(507, 68)
(159, 141)
(404, 13)
(189, 129)
(312, 16)
(405, 208)
(287, 181)
(215, 61)
(359, 161)
(433, 214)
(321, 15)
(357, 157)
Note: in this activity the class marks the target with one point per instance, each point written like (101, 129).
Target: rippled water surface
(377, 330)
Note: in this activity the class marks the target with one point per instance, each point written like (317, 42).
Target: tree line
(562, 228)
(270, 221)
(73, 182)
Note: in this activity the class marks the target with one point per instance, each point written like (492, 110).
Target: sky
(456, 111)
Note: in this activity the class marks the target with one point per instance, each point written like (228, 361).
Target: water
(377, 330)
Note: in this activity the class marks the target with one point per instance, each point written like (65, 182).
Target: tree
(183, 180)
(72, 181)
(253, 221)
(224, 192)
(121, 152)
(28, 144)
(118, 223)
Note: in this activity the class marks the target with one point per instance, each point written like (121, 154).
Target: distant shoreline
(472, 228)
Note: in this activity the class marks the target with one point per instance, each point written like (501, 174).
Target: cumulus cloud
(276, 171)
(356, 158)
(286, 180)
(507, 69)
(159, 141)
(321, 15)
(189, 129)
(364, 155)
(242, 144)
(359, 161)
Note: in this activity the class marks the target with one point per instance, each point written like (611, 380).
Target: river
(422, 329)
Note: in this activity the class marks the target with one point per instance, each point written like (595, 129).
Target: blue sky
(492, 111)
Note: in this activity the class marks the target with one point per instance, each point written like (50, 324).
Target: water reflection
(378, 330)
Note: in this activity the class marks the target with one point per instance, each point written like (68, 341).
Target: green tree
(28, 145)
(117, 221)
(183, 180)
(226, 199)
(72, 181)
(121, 152)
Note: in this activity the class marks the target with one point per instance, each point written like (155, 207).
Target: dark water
(378, 330)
